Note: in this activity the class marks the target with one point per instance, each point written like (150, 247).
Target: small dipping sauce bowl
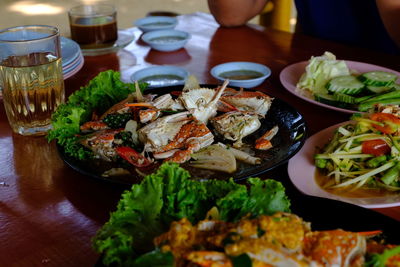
(154, 23)
(166, 40)
(241, 73)
(158, 76)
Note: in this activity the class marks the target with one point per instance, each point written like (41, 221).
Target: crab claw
(202, 102)
(175, 137)
(257, 102)
(264, 142)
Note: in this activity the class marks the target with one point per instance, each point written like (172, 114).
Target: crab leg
(217, 96)
(264, 142)
(140, 104)
(139, 95)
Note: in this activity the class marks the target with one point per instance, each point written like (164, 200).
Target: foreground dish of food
(169, 194)
(363, 156)
(115, 122)
(161, 223)
(332, 82)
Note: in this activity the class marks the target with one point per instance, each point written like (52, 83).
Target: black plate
(327, 214)
(289, 140)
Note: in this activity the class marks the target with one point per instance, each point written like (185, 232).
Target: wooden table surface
(49, 212)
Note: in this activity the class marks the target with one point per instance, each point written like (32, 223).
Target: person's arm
(390, 14)
(231, 13)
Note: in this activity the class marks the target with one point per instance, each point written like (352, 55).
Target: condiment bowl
(166, 40)
(154, 23)
(241, 73)
(158, 76)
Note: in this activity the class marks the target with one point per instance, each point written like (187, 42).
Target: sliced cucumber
(330, 100)
(344, 98)
(347, 84)
(379, 89)
(378, 78)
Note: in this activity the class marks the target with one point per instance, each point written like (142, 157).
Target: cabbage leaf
(319, 71)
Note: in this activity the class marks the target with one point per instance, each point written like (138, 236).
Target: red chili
(391, 123)
(132, 156)
(376, 147)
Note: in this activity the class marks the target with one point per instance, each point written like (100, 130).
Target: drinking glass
(93, 26)
(31, 77)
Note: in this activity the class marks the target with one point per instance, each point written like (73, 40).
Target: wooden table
(49, 212)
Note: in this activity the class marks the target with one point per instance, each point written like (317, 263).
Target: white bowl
(154, 23)
(158, 76)
(256, 73)
(166, 40)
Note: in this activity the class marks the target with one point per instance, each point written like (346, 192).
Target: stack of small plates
(72, 58)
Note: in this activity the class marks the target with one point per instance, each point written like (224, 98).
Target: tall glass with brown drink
(93, 26)
(31, 77)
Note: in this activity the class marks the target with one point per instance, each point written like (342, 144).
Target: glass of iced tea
(31, 77)
(93, 26)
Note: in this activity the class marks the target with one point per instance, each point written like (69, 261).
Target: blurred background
(280, 15)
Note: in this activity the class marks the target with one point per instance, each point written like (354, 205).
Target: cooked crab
(102, 143)
(202, 102)
(253, 101)
(236, 125)
(175, 137)
(153, 108)
(335, 247)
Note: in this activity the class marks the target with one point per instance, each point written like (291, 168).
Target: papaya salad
(332, 82)
(130, 132)
(363, 154)
(171, 220)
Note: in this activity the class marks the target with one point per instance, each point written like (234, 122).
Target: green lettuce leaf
(379, 260)
(102, 92)
(155, 258)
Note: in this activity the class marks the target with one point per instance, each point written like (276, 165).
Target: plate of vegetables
(120, 132)
(359, 164)
(342, 85)
(170, 219)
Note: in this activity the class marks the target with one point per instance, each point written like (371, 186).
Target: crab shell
(335, 247)
(102, 143)
(236, 125)
(170, 135)
(202, 102)
(252, 101)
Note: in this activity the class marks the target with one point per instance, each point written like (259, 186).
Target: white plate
(73, 69)
(301, 170)
(70, 51)
(290, 75)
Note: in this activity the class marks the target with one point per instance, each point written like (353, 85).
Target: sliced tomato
(176, 93)
(376, 147)
(133, 157)
(391, 123)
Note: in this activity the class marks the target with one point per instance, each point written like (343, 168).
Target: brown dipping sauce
(89, 35)
(364, 192)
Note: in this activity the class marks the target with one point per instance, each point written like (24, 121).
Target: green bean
(365, 106)
(320, 163)
(387, 95)
(391, 175)
(376, 162)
